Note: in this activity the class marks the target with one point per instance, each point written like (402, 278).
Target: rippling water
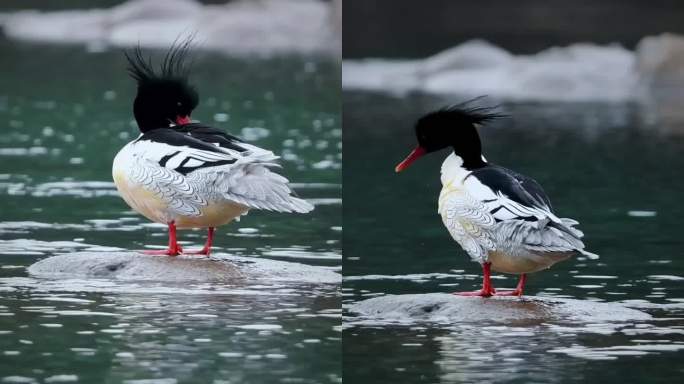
(609, 166)
(64, 114)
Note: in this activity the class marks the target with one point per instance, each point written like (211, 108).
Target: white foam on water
(29, 246)
(32, 151)
(127, 287)
(642, 213)
(112, 331)
(613, 352)
(261, 327)
(61, 378)
(275, 356)
(80, 313)
(666, 277)
(73, 188)
(294, 253)
(231, 354)
(202, 315)
(152, 381)
(413, 276)
(27, 227)
(18, 379)
(83, 350)
(598, 277)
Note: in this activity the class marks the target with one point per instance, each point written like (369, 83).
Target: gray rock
(135, 266)
(440, 307)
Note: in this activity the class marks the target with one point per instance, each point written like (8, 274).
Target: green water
(64, 114)
(603, 165)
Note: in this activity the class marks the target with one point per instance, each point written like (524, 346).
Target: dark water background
(64, 114)
(406, 29)
(609, 166)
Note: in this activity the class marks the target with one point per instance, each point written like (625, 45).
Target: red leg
(487, 288)
(207, 246)
(174, 248)
(518, 289)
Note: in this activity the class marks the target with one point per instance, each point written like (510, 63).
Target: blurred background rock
(530, 50)
(240, 27)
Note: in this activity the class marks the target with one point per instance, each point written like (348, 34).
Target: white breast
(471, 213)
(136, 196)
(452, 170)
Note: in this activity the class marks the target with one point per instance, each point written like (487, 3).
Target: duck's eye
(179, 104)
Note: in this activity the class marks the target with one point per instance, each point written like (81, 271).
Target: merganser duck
(502, 219)
(186, 174)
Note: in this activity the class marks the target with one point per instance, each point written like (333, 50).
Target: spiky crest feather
(463, 113)
(173, 66)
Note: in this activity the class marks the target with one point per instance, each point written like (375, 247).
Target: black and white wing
(522, 211)
(506, 197)
(250, 184)
(182, 167)
(211, 135)
(182, 153)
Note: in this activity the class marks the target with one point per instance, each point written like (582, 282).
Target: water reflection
(162, 334)
(521, 350)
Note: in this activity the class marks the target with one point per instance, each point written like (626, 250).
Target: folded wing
(469, 223)
(187, 172)
(521, 212)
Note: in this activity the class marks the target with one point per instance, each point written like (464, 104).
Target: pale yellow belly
(213, 215)
(502, 262)
(148, 204)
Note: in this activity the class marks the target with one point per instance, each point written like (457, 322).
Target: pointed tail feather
(300, 205)
(254, 185)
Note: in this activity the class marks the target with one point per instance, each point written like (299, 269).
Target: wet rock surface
(440, 307)
(135, 266)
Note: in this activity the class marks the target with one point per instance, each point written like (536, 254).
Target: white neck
(452, 168)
